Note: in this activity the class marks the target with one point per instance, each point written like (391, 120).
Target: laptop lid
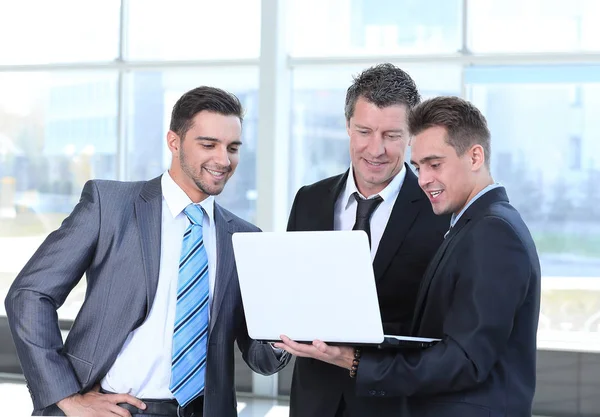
(308, 285)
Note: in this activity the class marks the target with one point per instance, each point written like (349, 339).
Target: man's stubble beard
(189, 171)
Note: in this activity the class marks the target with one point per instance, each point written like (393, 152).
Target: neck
(188, 186)
(367, 190)
(479, 185)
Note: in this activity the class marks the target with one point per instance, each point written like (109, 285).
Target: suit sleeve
(261, 357)
(493, 270)
(40, 289)
(292, 226)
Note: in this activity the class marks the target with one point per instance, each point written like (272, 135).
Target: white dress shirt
(143, 367)
(345, 207)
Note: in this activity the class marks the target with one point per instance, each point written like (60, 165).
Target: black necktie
(364, 211)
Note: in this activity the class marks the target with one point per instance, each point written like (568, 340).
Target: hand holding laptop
(341, 356)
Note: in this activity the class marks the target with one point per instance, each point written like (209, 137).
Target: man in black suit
(480, 294)
(378, 194)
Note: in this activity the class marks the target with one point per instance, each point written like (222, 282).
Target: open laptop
(312, 285)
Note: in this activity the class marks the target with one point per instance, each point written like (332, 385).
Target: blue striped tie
(191, 314)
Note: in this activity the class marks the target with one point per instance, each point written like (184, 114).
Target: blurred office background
(86, 90)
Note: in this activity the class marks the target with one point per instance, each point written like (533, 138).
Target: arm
(491, 286)
(40, 289)
(262, 358)
(291, 226)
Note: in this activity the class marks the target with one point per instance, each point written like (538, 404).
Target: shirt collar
(388, 193)
(455, 217)
(177, 200)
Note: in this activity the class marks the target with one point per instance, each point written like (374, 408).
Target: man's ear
(477, 157)
(173, 142)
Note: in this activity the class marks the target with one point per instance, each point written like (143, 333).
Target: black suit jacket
(481, 295)
(412, 235)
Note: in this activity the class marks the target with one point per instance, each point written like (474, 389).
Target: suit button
(372, 393)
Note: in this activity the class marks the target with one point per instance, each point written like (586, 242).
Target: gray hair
(383, 85)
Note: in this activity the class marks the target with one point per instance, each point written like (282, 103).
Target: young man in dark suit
(480, 294)
(155, 335)
(378, 194)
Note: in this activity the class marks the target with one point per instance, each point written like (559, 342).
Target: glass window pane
(57, 130)
(360, 27)
(319, 146)
(533, 25)
(546, 152)
(193, 29)
(42, 32)
(153, 94)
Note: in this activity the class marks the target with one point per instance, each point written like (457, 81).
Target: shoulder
(501, 223)
(321, 187)
(241, 225)
(110, 186)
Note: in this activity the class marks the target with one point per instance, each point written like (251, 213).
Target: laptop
(312, 285)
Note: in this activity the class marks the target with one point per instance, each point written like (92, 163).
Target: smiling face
(449, 180)
(204, 160)
(378, 139)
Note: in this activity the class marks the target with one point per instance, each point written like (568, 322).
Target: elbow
(11, 300)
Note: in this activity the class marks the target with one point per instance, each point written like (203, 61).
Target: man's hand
(341, 356)
(95, 404)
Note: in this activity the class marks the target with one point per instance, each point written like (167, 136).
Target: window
(42, 32)
(371, 27)
(538, 26)
(193, 29)
(46, 156)
(575, 153)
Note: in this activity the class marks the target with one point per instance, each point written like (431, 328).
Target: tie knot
(366, 207)
(195, 213)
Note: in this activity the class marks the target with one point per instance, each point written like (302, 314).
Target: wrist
(355, 362)
(66, 403)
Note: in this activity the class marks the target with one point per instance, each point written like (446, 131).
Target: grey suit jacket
(113, 236)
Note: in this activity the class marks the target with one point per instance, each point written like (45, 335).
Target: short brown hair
(465, 124)
(203, 99)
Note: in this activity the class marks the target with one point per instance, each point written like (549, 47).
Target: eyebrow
(215, 140)
(387, 131)
(427, 159)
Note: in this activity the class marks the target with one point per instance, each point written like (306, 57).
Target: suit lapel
(403, 215)
(225, 260)
(327, 211)
(475, 210)
(148, 212)
(428, 277)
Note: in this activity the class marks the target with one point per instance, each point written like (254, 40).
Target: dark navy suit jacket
(481, 295)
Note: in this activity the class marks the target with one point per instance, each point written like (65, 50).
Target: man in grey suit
(155, 335)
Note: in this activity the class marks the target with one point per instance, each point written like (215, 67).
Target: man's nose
(376, 147)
